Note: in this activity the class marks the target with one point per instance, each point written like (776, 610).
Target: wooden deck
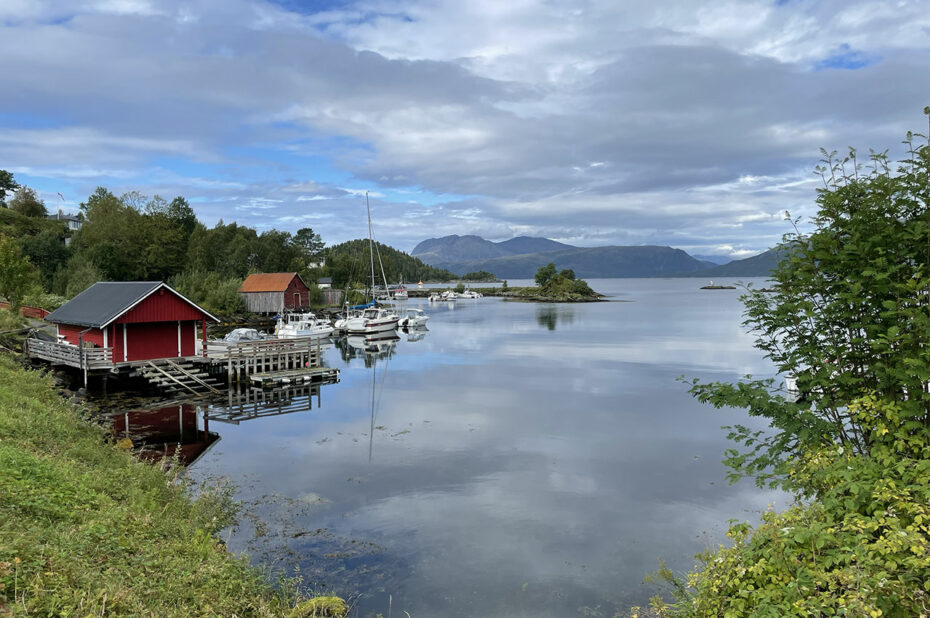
(268, 361)
(86, 358)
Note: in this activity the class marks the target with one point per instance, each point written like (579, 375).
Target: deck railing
(71, 355)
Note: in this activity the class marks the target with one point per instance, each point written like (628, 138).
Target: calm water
(526, 459)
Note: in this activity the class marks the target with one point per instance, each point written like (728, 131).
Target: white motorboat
(373, 320)
(470, 294)
(448, 295)
(300, 325)
(400, 293)
(237, 335)
(415, 318)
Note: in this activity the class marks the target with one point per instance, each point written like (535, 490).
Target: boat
(434, 297)
(400, 292)
(415, 318)
(470, 294)
(448, 295)
(374, 319)
(301, 325)
(233, 337)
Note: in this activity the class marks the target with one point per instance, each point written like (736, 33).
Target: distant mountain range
(519, 258)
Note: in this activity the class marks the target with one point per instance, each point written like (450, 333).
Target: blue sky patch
(847, 58)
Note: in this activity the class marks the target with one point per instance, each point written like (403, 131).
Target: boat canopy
(365, 306)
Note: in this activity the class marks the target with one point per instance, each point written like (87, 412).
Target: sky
(693, 124)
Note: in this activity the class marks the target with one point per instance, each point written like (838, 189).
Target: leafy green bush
(11, 321)
(46, 301)
(861, 549)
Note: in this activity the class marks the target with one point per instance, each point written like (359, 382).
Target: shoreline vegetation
(88, 529)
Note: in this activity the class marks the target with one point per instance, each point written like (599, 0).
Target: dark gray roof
(103, 302)
(325, 280)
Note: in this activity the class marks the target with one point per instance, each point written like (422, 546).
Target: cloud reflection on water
(507, 454)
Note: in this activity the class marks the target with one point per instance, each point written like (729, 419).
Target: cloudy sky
(592, 122)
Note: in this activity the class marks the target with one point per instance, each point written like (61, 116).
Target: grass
(11, 321)
(86, 529)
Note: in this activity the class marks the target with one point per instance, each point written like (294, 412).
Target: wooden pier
(268, 362)
(271, 358)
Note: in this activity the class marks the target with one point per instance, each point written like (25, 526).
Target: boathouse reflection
(181, 429)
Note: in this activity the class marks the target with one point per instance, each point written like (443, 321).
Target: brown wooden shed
(275, 293)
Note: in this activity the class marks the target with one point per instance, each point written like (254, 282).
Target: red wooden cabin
(274, 293)
(138, 320)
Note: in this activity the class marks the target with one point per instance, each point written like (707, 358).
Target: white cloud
(595, 122)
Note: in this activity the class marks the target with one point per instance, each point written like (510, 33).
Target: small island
(557, 287)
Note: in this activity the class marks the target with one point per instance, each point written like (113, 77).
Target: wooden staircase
(179, 377)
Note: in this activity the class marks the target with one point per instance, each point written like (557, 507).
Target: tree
(26, 202)
(47, 251)
(16, 273)
(180, 211)
(850, 316)
(544, 274)
(310, 243)
(568, 273)
(6, 184)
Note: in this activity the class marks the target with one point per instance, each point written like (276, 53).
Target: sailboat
(400, 292)
(373, 320)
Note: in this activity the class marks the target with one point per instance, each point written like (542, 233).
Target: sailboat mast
(371, 246)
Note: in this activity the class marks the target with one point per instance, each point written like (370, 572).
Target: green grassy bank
(86, 529)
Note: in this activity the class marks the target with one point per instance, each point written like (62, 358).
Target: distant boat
(711, 286)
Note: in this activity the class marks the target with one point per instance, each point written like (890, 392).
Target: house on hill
(275, 293)
(128, 321)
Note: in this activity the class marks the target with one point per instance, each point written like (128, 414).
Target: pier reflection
(253, 402)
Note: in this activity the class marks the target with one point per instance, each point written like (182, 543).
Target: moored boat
(372, 320)
(299, 325)
(414, 318)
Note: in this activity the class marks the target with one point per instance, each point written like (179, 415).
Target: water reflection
(549, 315)
(367, 348)
(166, 431)
(415, 334)
(497, 468)
(251, 402)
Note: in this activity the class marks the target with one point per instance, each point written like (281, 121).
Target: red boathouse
(137, 320)
(274, 293)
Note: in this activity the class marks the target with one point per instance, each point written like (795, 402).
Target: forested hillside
(349, 264)
(135, 238)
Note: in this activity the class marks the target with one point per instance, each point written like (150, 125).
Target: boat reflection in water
(177, 429)
(368, 348)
